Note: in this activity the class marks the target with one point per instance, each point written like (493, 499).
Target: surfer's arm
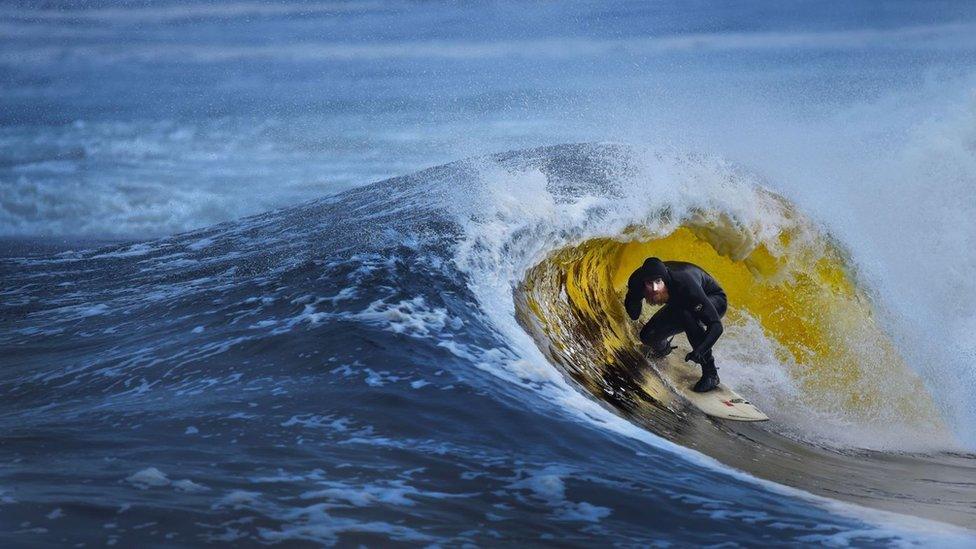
(706, 313)
(632, 302)
(712, 332)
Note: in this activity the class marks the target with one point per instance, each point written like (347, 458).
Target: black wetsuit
(695, 306)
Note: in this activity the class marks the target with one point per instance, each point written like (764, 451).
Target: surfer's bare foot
(706, 383)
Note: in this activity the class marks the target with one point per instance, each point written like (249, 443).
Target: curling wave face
(802, 338)
(556, 232)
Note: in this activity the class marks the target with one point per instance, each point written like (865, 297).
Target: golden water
(793, 280)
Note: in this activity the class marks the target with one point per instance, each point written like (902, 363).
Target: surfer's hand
(693, 357)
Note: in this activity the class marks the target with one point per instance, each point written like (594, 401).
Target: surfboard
(721, 402)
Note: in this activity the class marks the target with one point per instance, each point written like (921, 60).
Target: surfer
(693, 302)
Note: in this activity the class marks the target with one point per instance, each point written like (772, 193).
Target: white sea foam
(238, 499)
(187, 485)
(548, 485)
(314, 523)
(893, 178)
(411, 317)
(148, 477)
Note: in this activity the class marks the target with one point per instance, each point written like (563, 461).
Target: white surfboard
(721, 402)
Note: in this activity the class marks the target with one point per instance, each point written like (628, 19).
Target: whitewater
(328, 302)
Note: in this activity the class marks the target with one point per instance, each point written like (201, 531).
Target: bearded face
(655, 292)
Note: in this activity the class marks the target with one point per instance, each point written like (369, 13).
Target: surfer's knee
(652, 338)
(647, 336)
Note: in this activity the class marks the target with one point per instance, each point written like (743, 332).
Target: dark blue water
(344, 370)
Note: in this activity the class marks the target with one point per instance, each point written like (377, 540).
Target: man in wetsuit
(693, 302)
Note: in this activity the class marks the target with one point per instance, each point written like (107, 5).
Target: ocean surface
(349, 273)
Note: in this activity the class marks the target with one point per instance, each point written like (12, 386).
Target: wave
(804, 333)
(552, 234)
(472, 311)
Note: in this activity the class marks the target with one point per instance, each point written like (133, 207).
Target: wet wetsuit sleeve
(632, 302)
(705, 311)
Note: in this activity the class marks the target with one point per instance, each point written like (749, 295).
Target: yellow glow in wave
(796, 285)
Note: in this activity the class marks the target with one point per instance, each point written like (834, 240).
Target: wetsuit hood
(653, 268)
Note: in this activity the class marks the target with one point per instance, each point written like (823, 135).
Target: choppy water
(358, 368)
